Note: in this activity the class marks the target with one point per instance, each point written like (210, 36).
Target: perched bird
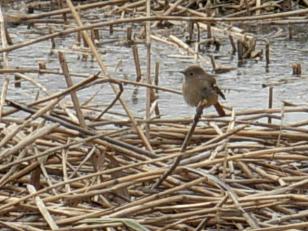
(199, 86)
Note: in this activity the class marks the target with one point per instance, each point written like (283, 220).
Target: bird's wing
(212, 80)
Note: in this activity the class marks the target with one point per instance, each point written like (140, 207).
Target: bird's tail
(219, 109)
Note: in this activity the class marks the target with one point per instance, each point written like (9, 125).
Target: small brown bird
(199, 86)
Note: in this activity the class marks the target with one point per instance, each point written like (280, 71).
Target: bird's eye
(191, 74)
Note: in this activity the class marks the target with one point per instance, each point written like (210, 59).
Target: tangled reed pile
(65, 165)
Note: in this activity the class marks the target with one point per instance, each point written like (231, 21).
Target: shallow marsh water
(243, 86)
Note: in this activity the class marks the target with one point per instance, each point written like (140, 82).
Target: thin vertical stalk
(270, 101)
(74, 96)
(3, 39)
(17, 81)
(156, 80)
(148, 76)
(258, 4)
(240, 52)
(5, 62)
(232, 44)
(3, 95)
(137, 63)
(267, 54)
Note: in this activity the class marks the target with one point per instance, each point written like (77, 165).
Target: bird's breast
(196, 91)
(191, 93)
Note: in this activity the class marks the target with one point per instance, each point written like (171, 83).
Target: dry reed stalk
(44, 211)
(73, 94)
(267, 54)
(148, 75)
(187, 48)
(137, 63)
(32, 81)
(4, 43)
(3, 95)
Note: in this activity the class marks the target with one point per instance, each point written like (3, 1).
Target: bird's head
(193, 72)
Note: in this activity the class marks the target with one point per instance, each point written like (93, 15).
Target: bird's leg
(188, 136)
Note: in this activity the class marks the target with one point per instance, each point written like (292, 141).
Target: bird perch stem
(188, 136)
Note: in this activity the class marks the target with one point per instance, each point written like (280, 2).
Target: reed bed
(237, 173)
(66, 164)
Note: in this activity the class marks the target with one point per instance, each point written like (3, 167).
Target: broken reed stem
(35, 83)
(296, 69)
(113, 101)
(5, 62)
(213, 63)
(52, 40)
(129, 33)
(3, 95)
(267, 54)
(190, 30)
(186, 47)
(156, 79)
(4, 43)
(233, 51)
(154, 92)
(96, 34)
(240, 52)
(137, 62)
(209, 28)
(149, 78)
(281, 124)
(258, 4)
(8, 37)
(78, 38)
(85, 55)
(270, 102)
(43, 209)
(247, 7)
(3, 39)
(73, 94)
(64, 15)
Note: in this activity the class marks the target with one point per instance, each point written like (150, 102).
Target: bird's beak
(183, 72)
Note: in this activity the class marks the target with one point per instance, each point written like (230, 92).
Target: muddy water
(242, 86)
